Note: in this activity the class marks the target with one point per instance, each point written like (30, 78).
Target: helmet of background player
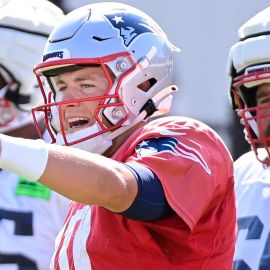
(248, 67)
(24, 28)
(124, 42)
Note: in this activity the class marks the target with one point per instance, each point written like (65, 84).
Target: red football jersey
(196, 172)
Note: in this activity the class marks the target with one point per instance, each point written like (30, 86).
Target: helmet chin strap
(162, 101)
(112, 135)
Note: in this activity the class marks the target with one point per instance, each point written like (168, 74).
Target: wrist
(27, 158)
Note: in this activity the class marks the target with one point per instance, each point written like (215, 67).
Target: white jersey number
(254, 228)
(23, 226)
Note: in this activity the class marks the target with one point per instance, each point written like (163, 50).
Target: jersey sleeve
(193, 172)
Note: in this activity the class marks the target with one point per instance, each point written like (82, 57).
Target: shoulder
(182, 137)
(247, 166)
(188, 131)
(245, 160)
(183, 126)
(185, 140)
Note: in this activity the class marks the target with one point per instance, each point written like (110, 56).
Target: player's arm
(89, 178)
(84, 177)
(130, 189)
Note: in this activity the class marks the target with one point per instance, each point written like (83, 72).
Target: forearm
(81, 176)
(89, 178)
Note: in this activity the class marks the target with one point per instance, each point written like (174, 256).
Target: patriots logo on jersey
(129, 25)
(170, 145)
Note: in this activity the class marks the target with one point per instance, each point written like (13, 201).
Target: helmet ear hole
(146, 85)
(249, 95)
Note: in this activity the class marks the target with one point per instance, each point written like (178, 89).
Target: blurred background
(204, 31)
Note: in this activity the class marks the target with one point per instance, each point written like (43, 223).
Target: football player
(249, 69)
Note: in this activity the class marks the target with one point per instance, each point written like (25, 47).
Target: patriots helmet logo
(130, 25)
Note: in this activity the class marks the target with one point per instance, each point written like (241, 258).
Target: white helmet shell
(253, 47)
(24, 28)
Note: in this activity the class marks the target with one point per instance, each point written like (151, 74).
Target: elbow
(120, 193)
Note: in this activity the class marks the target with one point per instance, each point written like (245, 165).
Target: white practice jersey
(31, 215)
(252, 184)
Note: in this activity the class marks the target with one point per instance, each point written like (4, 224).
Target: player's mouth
(78, 123)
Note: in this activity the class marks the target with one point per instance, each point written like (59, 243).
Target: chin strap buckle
(160, 103)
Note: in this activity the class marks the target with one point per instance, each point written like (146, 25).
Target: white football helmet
(123, 41)
(249, 67)
(24, 28)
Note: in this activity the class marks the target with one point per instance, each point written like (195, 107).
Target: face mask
(98, 144)
(12, 118)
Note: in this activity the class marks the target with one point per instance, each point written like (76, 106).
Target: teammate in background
(31, 214)
(249, 68)
(147, 194)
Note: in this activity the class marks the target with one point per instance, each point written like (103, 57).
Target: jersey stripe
(70, 246)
